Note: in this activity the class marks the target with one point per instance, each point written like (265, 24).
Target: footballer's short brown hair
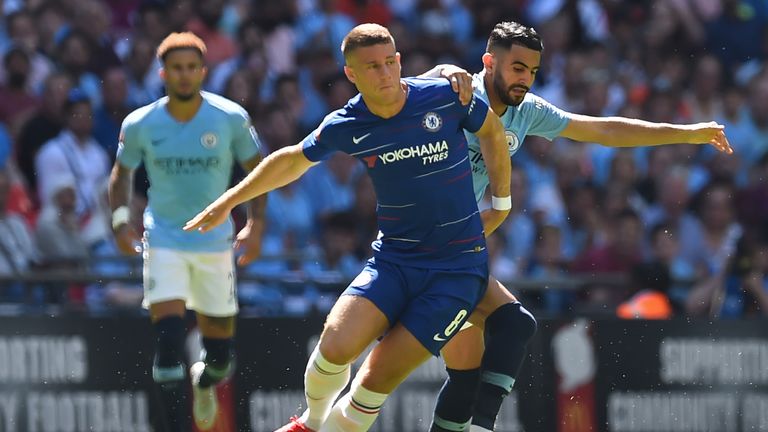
(365, 35)
(177, 41)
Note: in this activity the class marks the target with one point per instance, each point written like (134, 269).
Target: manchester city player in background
(430, 264)
(188, 142)
(479, 379)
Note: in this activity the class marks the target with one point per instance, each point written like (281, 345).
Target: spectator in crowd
(649, 283)
(144, 83)
(94, 19)
(17, 247)
(250, 59)
(74, 55)
(108, 118)
(23, 34)
(76, 153)
(665, 249)
(17, 103)
(43, 126)
(547, 263)
(58, 234)
(716, 230)
(739, 290)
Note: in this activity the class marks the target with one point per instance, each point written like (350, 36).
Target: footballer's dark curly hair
(508, 33)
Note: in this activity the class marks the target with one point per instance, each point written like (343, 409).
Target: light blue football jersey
(189, 165)
(534, 116)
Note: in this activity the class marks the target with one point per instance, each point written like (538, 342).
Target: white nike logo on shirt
(438, 338)
(356, 140)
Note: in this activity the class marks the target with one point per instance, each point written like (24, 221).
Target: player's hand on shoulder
(714, 134)
(461, 81)
(127, 239)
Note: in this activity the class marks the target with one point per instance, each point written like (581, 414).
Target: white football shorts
(205, 280)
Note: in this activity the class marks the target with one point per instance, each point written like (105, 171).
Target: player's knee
(512, 317)
(170, 333)
(336, 351)
(465, 381)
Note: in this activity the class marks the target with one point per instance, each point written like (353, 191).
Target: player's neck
(497, 106)
(184, 110)
(388, 110)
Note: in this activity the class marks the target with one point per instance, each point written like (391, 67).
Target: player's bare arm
(277, 170)
(460, 79)
(493, 146)
(249, 238)
(120, 187)
(626, 132)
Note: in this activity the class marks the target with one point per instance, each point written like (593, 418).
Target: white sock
(356, 411)
(323, 381)
(475, 428)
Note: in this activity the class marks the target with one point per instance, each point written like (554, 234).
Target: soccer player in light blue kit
(479, 378)
(188, 142)
(430, 264)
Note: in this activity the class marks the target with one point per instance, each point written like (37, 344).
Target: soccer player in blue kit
(479, 378)
(188, 142)
(430, 264)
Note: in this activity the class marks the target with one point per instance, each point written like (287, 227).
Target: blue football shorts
(432, 304)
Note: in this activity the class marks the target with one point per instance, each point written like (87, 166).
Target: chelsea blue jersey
(189, 165)
(419, 163)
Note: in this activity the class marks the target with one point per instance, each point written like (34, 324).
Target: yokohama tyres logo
(429, 153)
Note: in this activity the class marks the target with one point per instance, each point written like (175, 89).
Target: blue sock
(507, 332)
(454, 403)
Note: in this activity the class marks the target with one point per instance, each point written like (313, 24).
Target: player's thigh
(465, 350)
(364, 311)
(166, 282)
(213, 287)
(352, 324)
(495, 296)
(394, 358)
(441, 308)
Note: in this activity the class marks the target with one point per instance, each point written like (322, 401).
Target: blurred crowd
(684, 225)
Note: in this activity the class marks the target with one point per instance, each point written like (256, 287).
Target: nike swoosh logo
(356, 140)
(438, 338)
(157, 142)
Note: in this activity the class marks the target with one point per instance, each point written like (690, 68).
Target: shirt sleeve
(129, 151)
(319, 144)
(245, 140)
(474, 114)
(548, 121)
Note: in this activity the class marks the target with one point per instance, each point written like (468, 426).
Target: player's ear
(205, 71)
(397, 57)
(489, 61)
(349, 73)
(161, 72)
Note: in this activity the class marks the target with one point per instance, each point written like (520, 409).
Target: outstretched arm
(493, 146)
(278, 169)
(627, 132)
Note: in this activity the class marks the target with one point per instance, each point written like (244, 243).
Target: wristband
(121, 215)
(501, 204)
